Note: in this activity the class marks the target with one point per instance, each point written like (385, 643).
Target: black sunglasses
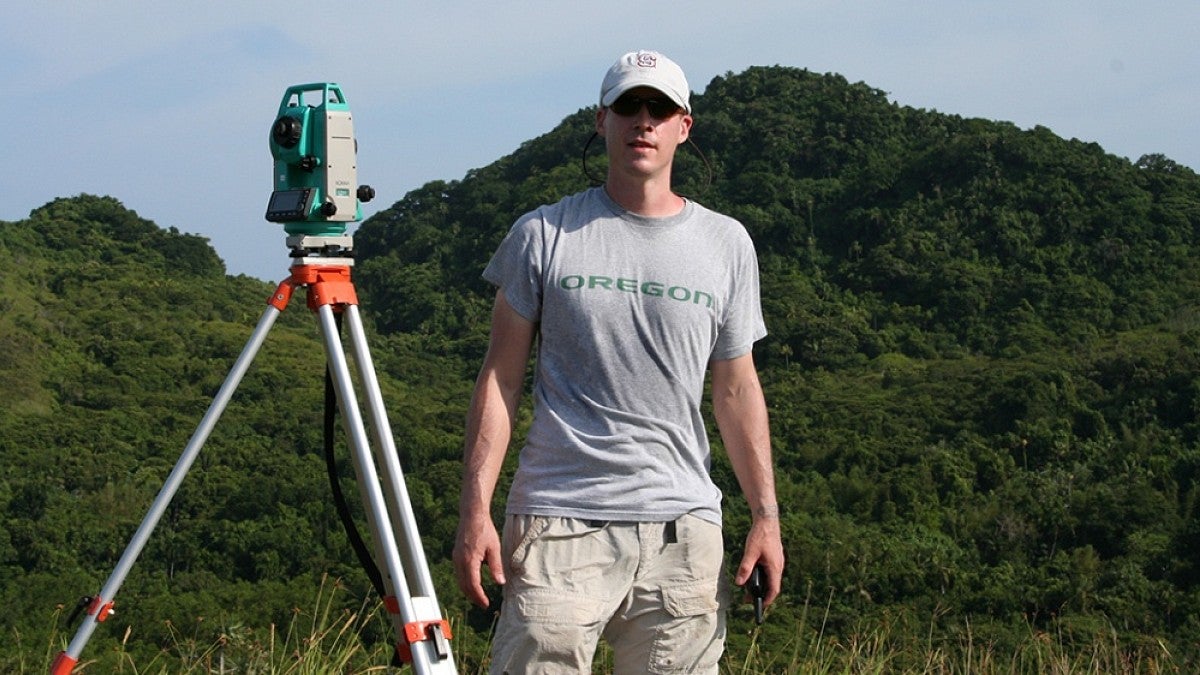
(659, 108)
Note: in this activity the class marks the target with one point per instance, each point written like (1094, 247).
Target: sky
(166, 105)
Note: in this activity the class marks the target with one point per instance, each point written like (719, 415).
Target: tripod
(423, 636)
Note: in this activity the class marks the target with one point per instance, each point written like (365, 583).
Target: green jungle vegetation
(983, 373)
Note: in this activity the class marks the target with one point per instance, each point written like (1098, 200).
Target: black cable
(594, 181)
(339, 498)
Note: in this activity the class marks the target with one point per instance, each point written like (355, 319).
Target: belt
(670, 531)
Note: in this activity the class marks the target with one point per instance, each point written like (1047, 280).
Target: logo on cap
(647, 60)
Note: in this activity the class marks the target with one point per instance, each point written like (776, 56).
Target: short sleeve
(742, 324)
(516, 267)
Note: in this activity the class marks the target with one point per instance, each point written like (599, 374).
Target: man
(613, 524)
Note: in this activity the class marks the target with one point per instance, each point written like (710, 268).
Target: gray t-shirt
(631, 310)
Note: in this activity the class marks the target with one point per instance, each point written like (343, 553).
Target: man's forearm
(489, 430)
(741, 413)
(494, 406)
(751, 461)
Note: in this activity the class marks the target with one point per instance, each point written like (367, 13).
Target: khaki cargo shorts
(654, 591)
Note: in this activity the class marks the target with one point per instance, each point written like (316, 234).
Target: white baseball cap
(645, 69)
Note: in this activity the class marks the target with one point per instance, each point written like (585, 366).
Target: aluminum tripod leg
(101, 605)
(416, 614)
(388, 457)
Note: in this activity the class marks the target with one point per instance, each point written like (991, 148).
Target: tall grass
(882, 653)
(318, 640)
(877, 650)
(323, 639)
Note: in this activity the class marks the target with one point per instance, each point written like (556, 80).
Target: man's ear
(685, 128)
(601, 113)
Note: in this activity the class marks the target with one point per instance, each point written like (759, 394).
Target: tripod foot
(63, 664)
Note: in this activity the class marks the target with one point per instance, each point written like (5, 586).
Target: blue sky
(166, 105)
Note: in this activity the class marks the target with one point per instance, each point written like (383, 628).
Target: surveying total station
(316, 193)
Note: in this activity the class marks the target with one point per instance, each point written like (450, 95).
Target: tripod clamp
(92, 605)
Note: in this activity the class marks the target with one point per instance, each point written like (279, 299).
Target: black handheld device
(756, 586)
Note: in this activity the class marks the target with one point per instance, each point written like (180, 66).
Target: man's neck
(650, 198)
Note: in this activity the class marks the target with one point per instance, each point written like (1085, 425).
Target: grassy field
(322, 640)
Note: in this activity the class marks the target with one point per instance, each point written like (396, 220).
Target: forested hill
(983, 372)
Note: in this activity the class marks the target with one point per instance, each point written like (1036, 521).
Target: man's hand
(477, 544)
(764, 546)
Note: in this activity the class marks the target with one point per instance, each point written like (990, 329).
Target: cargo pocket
(692, 636)
(691, 600)
(547, 631)
(545, 606)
